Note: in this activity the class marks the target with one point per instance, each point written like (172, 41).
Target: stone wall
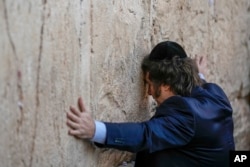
(52, 52)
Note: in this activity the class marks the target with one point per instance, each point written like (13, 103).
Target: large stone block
(52, 52)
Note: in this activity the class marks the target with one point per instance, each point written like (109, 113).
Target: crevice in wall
(81, 26)
(91, 27)
(91, 51)
(20, 100)
(44, 2)
(152, 23)
(23, 162)
(8, 29)
(58, 139)
(19, 81)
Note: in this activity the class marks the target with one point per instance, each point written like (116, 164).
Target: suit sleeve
(168, 131)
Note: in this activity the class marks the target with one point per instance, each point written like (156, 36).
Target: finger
(75, 111)
(201, 60)
(196, 58)
(72, 124)
(81, 105)
(74, 132)
(72, 117)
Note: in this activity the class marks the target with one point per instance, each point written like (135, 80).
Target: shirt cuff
(201, 76)
(100, 132)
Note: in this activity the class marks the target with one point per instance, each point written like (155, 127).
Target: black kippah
(167, 50)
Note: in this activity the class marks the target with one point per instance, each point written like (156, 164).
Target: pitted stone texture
(52, 52)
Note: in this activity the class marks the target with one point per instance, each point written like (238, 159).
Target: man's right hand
(80, 122)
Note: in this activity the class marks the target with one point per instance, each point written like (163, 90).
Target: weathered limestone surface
(52, 52)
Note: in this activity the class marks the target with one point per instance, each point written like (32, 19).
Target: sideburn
(157, 90)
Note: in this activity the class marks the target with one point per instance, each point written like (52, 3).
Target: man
(192, 125)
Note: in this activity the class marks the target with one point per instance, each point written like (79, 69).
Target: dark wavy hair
(181, 74)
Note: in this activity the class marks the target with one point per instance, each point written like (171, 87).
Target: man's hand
(201, 62)
(80, 122)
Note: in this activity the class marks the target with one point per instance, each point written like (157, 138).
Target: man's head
(167, 66)
(166, 50)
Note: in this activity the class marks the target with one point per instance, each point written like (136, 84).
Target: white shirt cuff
(100, 132)
(201, 76)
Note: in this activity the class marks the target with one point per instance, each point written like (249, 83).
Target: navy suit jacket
(185, 131)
